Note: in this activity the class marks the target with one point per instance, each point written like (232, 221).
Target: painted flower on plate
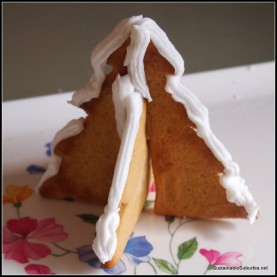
(215, 258)
(136, 250)
(153, 187)
(20, 236)
(87, 255)
(48, 149)
(16, 194)
(35, 169)
(37, 269)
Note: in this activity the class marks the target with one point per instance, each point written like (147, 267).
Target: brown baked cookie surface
(88, 159)
(185, 170)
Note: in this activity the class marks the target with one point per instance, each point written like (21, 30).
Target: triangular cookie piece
(130, 185)
(85, 151)
(187, 173)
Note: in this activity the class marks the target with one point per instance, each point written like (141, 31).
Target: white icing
(72, 128)
(140, 38)
(163, 45)
(127, 95)
(236, 190)
(128, 108)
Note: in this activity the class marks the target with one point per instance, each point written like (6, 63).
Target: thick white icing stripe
(140, 38)
(72, 128)
(129, 101)
(164, 46)
(236, 190)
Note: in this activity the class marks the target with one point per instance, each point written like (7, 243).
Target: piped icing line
(131, 102)
(236, 190)
(163, 45)
(140, 39)
(143, 31)
(99, 57)
(72, 128)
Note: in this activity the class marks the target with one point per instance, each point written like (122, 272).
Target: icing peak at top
(141, 31)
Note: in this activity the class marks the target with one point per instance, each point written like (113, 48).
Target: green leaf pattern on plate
(165, 266)
(187, 249)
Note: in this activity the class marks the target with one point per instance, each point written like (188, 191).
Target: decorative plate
(42, 236)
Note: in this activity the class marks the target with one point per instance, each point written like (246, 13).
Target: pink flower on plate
(153, 187)
(215, 258)
(37, 269)
(19, 234)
